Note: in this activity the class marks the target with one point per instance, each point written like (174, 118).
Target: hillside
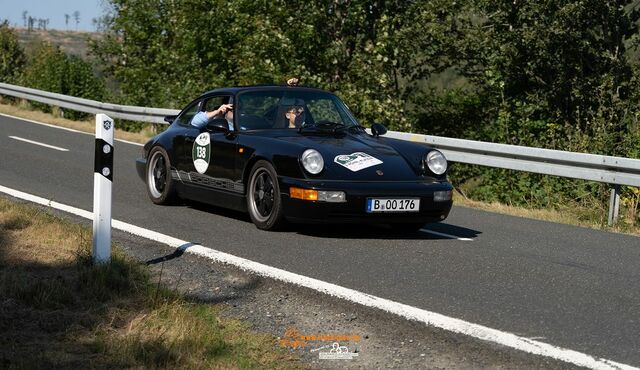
(71, 42)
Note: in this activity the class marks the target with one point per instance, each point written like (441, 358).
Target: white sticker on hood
(356, 161)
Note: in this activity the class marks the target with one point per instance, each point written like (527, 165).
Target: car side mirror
(378, 129)
(218, 125)
(170, 119)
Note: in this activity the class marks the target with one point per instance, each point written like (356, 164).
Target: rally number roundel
(201, 152)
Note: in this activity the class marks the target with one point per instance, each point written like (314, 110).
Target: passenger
(224, 111)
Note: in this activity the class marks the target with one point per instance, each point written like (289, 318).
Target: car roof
(238, 89)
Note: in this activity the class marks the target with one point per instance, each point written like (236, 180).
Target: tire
(406, 228)
(263, 197)
(160, 186)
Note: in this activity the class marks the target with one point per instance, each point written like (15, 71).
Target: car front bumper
(354, 209)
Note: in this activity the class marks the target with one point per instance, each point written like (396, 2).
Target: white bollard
(102, 182)
(614, 205)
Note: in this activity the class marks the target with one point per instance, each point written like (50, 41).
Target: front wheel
(263, 197)
(159, 183)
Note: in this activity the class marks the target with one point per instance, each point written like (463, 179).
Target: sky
(55, 10)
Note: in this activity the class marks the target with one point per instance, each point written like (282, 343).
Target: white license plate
(393, 205)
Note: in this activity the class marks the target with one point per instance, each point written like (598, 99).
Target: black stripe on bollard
(103, 163)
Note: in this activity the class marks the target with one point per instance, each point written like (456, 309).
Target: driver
(295, 116)
(224, 111)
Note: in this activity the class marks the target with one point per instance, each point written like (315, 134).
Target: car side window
(215, 102)
(187, 114)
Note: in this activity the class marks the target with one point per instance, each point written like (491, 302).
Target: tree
(348, 46)
(30, 22)
(50, 69)
(24, 18)
(66, 20)
(555, 69)
(12, 57)
(76, 17)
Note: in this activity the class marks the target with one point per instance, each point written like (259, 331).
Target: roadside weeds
(570, 215)
(59, 310)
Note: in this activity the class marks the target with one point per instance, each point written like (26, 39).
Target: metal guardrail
(128, 112)
(607, 169)
(593, 167)
(601, 168)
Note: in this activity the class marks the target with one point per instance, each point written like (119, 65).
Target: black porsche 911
(297, 154)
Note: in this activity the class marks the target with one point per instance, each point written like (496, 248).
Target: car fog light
(332, 196)
(442, 196)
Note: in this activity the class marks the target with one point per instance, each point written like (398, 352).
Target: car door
(210, 155)
(183, 131)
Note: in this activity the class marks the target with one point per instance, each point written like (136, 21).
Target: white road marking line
(409, 312)
(65, 128)
(445, 235)
(128, 142)
(39, 143)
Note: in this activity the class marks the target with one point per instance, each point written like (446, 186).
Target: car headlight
(312, 161)
(436, 162)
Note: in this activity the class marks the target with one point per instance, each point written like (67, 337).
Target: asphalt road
(568, 286)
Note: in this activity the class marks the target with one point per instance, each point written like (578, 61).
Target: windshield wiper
(333, 126)
(356, 128)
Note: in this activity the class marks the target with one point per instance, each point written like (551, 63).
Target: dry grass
(23, 110)
(569, 214)
(59, 311)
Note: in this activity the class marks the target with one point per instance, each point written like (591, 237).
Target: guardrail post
(614, 205)
(102, 182)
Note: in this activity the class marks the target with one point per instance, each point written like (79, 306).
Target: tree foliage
(12, 56)
(50, 69)
(557, 70)
(165, 52)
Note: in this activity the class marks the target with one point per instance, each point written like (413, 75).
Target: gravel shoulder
(288, 312)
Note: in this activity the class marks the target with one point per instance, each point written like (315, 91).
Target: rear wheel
(160, 186)
(263, 197)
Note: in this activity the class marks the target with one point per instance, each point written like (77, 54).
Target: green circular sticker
(201, 152)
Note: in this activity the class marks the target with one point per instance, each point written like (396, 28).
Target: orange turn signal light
(304, 194)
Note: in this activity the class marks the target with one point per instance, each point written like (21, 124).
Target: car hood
(356, 157)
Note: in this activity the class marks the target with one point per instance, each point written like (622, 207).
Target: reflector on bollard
(102, 183)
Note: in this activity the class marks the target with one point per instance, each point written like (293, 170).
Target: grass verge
(23, 110)
(60, 311)
(577, 215)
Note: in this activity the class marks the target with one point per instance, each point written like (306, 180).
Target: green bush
(12, 58)
(50, 69)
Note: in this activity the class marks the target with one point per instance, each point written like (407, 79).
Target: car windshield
(291, 108)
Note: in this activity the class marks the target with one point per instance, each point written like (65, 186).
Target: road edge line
(64, 128)
(409, 312)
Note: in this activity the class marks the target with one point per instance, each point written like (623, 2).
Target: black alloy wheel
(263, 196)
(159, 183)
